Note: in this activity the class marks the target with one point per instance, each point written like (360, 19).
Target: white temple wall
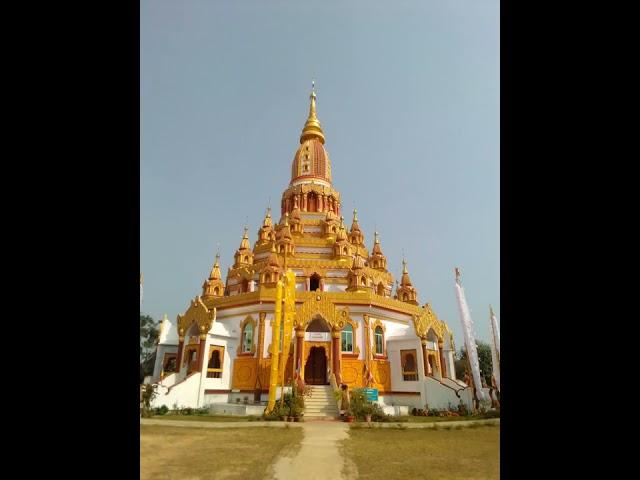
(398, 384)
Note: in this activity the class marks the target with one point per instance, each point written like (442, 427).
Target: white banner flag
(470, 341)
(495, 348)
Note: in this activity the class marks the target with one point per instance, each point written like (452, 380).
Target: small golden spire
(286, 219)
(404, 266)
(312, 128)
(215, 270)
(355, 215)
(377, 240)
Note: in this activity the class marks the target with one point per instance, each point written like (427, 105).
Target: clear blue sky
(408, 96)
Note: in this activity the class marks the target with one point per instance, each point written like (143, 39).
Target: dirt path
(319, 456)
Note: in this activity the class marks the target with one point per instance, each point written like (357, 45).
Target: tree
(484, 359)
(148, 339)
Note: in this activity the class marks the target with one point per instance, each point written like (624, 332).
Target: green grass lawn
(200, 453)
(416, 419)
(469, 454)
(205, 418)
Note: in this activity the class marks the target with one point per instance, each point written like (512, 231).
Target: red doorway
(315, 370)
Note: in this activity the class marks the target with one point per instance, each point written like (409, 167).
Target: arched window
(214, 366)
(216, 291)
(347, 338)
(214, 361)
(267, 277)
(246, 259)
(379, 336)
(247, 338)
(314, 282)
(405, 297)
(245, 285)
(364, 280)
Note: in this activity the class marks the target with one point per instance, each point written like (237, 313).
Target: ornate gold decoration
(427, 320)
(199, 314)
(320, 305)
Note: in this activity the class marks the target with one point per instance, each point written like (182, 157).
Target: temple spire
(312, 128)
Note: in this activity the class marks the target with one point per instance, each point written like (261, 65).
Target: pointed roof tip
(404, 267)
(312, 127)
(376, 237)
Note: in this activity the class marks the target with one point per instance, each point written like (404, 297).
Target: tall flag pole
(275, 348)
(289, 295)
(469, 337)
(495, 347)
(141, 282)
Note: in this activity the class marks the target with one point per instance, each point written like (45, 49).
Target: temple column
(201, 348)
(180, 349)
(425, 357)
(308, 283)
(335, 354)
(321, 201)
(299, 351)
(443, 366)
(287, 205)
(304, 202)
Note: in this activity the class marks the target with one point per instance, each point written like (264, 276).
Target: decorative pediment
(320, 305)
(199, 314)
(427, 320)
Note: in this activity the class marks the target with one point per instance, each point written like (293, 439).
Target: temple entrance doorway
(315, 370)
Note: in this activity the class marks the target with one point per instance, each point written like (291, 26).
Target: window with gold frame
(408, 360)
(215, 362)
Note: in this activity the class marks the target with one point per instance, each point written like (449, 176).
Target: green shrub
(161, 410)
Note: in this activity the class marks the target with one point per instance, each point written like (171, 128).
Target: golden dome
(311, 162)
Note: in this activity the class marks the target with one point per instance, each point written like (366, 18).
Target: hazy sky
(408, 97)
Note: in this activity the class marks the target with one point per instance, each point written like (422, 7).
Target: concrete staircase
(321, 404)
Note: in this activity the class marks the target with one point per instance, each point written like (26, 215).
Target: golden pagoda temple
(351, 327)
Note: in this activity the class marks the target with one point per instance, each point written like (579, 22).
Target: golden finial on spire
(404, 266)
(377, 239)
(355, 214)
(312, 128)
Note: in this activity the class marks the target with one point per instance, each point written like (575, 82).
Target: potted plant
(349, 417)
(367, 411)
